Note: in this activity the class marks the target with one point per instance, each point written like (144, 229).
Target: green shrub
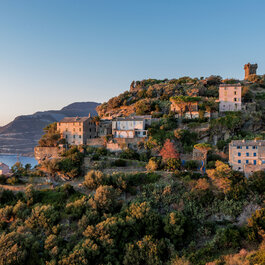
(192, 165)
(93, 179)
(172, 164)
(119, 163)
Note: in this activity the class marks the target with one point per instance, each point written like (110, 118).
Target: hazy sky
(55, 52)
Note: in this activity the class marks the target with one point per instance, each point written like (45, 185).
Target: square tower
(250, 69)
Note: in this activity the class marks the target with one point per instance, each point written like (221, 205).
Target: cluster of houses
(78, 131)
(245, 156)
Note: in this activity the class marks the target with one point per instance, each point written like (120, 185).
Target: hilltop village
(170, 172)
(193, 113)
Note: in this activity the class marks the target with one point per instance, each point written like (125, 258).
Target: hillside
(152, 95)
(22, 134)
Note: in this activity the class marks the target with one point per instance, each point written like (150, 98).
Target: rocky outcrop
(45, 153)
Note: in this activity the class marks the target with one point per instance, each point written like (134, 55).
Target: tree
(153, 164)
(204, 149)
(93, 179)
(51, 136)
(180, 102)
(221, 176)
(190, 103)
(256, 225)
(174, 227)
(145, 251)
(18, 169)
(169, 151)
(185, 102)
(105, 199)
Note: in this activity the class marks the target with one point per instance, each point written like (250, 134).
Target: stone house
(230, 97)
(247, 156)
(192, 113)
(104, 127)
(77, 130)
(129, 127)
(4, 169)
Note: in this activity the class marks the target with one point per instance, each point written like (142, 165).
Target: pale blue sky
(55, 52)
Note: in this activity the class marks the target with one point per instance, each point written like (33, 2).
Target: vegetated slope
(151, 95)
(22, 134)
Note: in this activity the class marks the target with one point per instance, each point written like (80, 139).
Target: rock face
(21, 135)
(45, 153)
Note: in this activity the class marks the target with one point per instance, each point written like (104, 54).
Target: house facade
(230, 97)
(247, 156)
(77, 130)
(104, 128)
(4, 169)
(129, 127)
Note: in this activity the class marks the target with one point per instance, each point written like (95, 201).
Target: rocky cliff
(22, 134)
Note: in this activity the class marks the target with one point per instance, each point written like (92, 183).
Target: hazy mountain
(22, 134)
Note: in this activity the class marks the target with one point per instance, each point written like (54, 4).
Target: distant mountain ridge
(22, 134)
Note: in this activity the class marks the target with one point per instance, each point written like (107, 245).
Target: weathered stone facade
(250, 69)
(45, 153)
(247, 156)
(77, 130)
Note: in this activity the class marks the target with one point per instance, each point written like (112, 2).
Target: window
(246, 147)
(234, 99)
(66, 136)
(80, 129)
(74, 129)
(246, 161)
(235, 92)
(239, 154)
(239, 161)
(247, 154)
(238, 147)
(74, 136)
(255, 162)
(80, 136)
(254, 147)
(254, 154)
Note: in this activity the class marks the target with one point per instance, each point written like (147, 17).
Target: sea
(10, 160)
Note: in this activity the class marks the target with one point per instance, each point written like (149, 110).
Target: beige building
(230, 97)
(77, 130)
(247, 156)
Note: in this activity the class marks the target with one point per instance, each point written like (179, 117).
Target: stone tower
(250, 69)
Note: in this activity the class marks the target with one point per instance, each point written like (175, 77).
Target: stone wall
(96, 142)
(44, 153)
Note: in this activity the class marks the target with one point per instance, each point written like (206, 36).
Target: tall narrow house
(230, 97)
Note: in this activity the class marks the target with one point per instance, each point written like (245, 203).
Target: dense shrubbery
(69, 165)
(165, 223)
